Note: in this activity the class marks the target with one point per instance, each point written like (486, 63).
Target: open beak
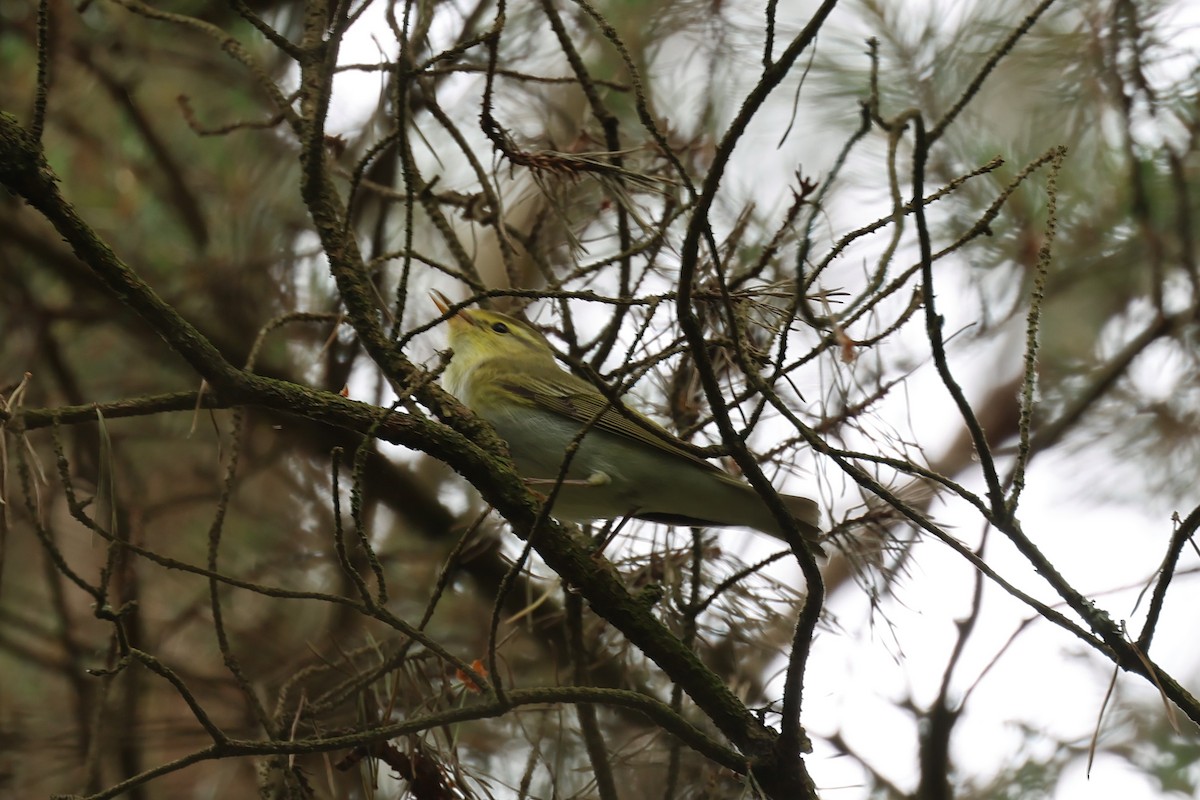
(443, 304)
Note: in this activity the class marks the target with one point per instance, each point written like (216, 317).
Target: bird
(625, 464)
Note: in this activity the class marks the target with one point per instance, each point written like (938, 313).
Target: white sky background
(1046, 679)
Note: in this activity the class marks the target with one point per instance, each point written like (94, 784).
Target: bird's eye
(499, 327)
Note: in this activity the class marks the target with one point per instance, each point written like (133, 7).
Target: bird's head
(477, 336)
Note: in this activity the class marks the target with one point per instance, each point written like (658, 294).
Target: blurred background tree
(235, 559)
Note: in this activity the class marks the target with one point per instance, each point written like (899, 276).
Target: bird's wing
(566, 395)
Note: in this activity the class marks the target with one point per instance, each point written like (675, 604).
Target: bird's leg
(595, 479)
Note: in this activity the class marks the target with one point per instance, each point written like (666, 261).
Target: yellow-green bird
(505, 371)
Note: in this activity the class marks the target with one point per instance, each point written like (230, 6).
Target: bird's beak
(443, 304)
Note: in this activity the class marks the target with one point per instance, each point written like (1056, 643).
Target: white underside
(600, 484)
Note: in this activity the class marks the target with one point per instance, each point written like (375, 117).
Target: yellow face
(479, 336)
